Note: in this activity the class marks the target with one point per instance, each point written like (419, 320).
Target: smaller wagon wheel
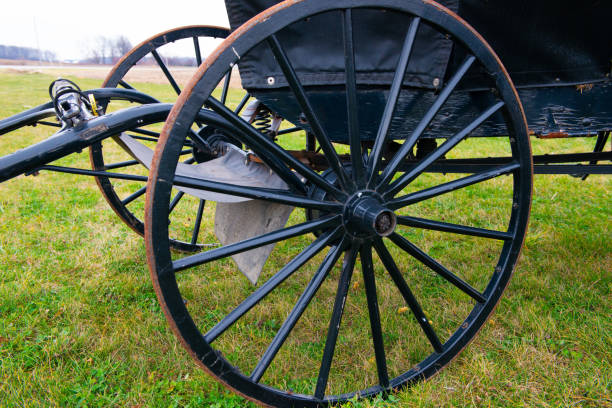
(426, 257)
(127, 199)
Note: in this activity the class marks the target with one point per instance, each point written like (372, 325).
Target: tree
(107, 50)
(121, 46)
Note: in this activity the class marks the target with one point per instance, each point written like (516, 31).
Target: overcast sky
(69, 28)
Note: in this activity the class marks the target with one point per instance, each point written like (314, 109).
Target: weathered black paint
(263, 30)
(573, 110)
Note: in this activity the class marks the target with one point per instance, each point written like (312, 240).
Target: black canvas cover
(541, 42)
(546, 42)
(315, 48)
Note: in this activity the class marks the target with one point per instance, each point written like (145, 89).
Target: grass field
(80, 324)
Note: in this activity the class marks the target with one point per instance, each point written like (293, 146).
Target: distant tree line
(13, 52)
(105, 50)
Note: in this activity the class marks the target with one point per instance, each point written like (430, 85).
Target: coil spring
(263, 120)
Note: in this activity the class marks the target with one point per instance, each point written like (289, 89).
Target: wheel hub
(365, 216)
(217, 141)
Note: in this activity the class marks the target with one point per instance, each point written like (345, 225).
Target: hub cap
(366, 217)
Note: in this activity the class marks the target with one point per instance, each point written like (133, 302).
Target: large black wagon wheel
(123, 203)
(317, 332)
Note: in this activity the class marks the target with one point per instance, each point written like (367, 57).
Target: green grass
(80, 324)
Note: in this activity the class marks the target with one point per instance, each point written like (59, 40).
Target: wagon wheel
(435, 251)
(127, 199)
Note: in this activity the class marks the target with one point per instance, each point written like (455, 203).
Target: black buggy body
(558, 57)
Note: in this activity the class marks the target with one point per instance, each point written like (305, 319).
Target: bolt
(359, 195)
(515, 205)
(271, 81)
(498, 269)
(436, 82)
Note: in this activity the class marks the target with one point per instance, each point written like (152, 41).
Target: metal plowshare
(363, 122)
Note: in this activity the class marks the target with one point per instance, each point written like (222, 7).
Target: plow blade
(236, 218)
(231, 168)
(236, 222)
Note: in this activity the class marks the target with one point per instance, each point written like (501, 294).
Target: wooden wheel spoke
(351, 101)
(242, 104)
(311, 117)
(198, 52)
(120, 165)
(272, 153)
(143, 138)
(166, 71)
(334, 324)
(255, 242)
(406, 293)
(396, 87)
(197, 140)
(226, 85)
(453, 228)
(263, 291)
(398, 158)
(296, 312)
(146, 132)
(126, 85)
(198, 222)
(177, 198)
(374, 313)
(452, 186)
(432, 264)
(272, 195)
(413, 173)
(134, 196)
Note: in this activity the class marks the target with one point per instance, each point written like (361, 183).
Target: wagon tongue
(236, 218)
